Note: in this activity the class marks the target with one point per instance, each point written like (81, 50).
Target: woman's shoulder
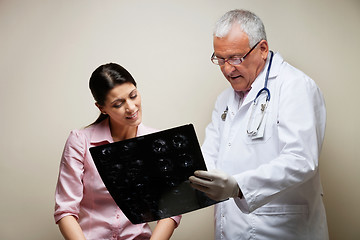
(81, 134)
(76, 137)
(82, 131)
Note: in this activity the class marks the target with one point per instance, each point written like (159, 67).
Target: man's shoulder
(289, 70)
(291, 75)
(225, 93)
(292, 78)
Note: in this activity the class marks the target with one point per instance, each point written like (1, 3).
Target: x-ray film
(147, 176)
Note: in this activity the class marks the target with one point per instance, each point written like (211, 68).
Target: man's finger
(200, 188)
(200, 181)
(204, 174)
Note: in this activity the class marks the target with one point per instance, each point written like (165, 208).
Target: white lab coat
(278, 174)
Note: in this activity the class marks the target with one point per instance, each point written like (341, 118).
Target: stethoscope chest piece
(256, 122)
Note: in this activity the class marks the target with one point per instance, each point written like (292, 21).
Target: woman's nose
(130, 106)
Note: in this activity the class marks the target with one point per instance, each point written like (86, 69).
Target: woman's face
(123, 105)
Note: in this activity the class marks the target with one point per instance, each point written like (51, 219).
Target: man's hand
(215, 184)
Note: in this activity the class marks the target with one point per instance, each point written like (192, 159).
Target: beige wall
(48, 50)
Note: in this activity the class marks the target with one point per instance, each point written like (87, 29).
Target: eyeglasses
(232, 60)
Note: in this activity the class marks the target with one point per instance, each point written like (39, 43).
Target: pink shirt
(81, 192)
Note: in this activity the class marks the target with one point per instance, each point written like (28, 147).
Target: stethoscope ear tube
(268, 69)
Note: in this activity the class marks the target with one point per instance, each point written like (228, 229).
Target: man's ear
(264, 49)
(100, 108)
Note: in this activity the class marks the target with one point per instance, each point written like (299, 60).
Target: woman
(84, 208)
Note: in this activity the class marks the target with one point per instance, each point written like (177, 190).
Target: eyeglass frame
(232, 58)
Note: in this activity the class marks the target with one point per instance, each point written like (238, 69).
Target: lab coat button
(229, 144)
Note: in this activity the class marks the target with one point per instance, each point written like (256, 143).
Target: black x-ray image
(147, 176)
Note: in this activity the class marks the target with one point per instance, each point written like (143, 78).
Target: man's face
(236, 44)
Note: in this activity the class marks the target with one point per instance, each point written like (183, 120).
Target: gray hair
(248, 22)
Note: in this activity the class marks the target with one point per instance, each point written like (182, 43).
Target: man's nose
(228, 68)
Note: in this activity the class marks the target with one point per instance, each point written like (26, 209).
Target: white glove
(216, 184)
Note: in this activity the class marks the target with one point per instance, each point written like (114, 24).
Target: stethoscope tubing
(263, 106)
(265, 88)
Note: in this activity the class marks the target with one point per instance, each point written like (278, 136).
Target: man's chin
(238, 87)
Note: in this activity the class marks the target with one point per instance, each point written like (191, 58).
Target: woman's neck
(119, 133)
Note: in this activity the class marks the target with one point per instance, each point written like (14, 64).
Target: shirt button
(118, 216)
(229, 144)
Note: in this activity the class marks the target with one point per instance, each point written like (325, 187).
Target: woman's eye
(133, 96)
(118, 105)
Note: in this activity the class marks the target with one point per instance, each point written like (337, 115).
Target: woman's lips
(133, 116)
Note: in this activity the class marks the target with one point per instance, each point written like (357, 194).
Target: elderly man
(263, 144)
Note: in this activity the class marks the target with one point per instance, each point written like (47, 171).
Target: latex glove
(216, 184)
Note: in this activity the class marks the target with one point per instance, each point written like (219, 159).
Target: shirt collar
(101, 132)
(141, 130)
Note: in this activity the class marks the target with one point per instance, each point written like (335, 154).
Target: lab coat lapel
(255, 87)
(259, 82)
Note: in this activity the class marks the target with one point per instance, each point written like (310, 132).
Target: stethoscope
(253, 131)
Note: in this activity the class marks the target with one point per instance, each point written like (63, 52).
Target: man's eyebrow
(231, 56)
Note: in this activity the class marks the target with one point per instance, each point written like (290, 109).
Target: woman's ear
(100, 108)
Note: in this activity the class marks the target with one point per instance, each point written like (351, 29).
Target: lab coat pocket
(282, 222)
(259, 128)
